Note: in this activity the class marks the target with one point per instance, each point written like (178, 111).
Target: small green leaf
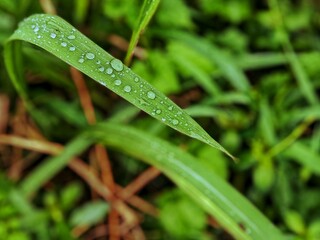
(70, 195)
(180, 216)
(89, 214)
(295, 222)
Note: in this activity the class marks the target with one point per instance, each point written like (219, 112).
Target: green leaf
(213, 194)
(226, 64)
(53, 165)
(180, 216)
(174, 14)
(89, 214)
(294, 222)
(304, 155)
(148, 9)
(62, 40)
(193, 64)
(234, 212)
(70, 194)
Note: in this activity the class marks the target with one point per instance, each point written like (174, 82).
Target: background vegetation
(247, 71)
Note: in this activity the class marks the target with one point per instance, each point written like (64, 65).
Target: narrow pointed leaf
(62, 40)
(234, 212)
(218, 198)
(147, 11)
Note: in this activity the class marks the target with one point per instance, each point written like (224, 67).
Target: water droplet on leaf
(175, 122)
(63, 44)
(151, 95)
(117, 82)
(109, 70)
(53, 35)
(71, 37)
(127, 88)
(117, 65)
(90, 56)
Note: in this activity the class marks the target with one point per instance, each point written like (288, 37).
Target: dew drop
(36, 29)
(151, 95)
(63, 44)
(117, 82)
(163, 119)
(72, 49)
(109, 70)
(117, 65)
(53, 35)
(170, 108)
(127, 89)
(81, 60)
(71, 37)
(101, 69)
(98, 62)
(158, 111)
(90, 56)
(136, 79)
(175, 122)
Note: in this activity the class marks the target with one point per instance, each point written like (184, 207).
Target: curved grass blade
(62, 40)
(148, 9)
(234, 212)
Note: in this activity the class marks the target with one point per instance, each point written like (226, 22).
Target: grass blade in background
(302, 78)
(62, 40)
(52, 166)
(147, 11)
(81, 8)
(231, 71)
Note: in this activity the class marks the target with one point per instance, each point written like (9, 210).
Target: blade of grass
(148, 9)
(52, 166)
(304, 155)
(80, 12)
(230, 70)
(217, 197)
(62, 40)
(301, 76)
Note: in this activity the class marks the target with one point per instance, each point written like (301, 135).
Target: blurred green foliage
(227, 63)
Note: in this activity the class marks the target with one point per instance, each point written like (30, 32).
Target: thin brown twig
(76, 165)
(114, 225)
(142, 205)
(138, 183)
(80, 168)
(4, 110)
(48, 7)
(83, 95)
(100, 152)
(123, 45)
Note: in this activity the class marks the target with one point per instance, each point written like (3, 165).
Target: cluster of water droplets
(114, 68)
